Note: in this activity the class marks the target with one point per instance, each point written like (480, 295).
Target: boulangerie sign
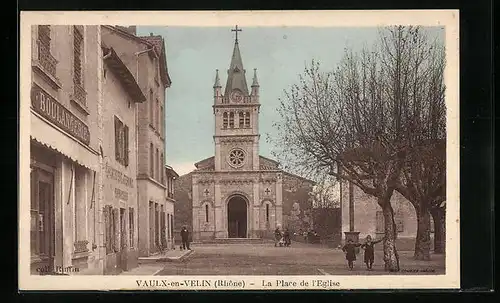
(55, 112)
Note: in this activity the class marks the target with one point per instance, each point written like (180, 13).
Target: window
(110, 231)
(157, 115)
(247, 119)
(206, 213)
(236, 157)
(151, 161)
(47, 61)
(162, 170)
(121, 142)
(242, 119)
(267, 212)
(151, 108)
(131, 226)
(157, 165)
(78, 55)
(231, 119)
(162, 124)
(224, 120)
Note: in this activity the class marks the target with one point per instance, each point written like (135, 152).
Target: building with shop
(120, 94)
(65, 135)
(145, 57)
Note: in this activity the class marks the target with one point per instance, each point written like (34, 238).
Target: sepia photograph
(305, 150)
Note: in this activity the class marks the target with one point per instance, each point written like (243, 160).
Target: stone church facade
(236, 193)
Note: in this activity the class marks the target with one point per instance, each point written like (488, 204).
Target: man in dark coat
(350, 252)
(185, 238)
(286, 237)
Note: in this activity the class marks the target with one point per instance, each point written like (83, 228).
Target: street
(300, 259)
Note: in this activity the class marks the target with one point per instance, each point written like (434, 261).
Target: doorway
(42, 219)
(237, 217)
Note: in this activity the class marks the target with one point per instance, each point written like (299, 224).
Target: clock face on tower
(236, 96)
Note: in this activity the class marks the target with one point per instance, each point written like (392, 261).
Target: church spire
(255, 82)
(236, 73)
(217, 79)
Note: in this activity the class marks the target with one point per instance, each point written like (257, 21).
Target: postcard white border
(447, 18)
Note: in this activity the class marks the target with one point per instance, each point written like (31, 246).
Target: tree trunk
(423, 239)
(391, 257)
(439, 217)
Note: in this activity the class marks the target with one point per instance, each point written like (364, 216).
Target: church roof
(236, 73)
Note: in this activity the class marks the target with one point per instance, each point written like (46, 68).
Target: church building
(236, 193)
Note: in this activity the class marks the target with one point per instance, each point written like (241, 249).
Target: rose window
(236, 157)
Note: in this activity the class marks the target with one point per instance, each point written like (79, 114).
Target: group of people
(282, 239)
(350, 252)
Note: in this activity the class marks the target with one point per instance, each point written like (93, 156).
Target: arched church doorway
(237, 217)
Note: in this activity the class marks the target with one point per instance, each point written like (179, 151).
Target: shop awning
(55, 139)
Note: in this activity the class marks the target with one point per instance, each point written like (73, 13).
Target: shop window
(42, 214)
(80, 209)
(121, 142)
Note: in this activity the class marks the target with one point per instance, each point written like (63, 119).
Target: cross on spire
(236, 30)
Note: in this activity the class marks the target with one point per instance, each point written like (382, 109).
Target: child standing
(350, 252)
(369, 251)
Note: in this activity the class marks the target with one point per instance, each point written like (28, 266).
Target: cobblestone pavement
(300, 259)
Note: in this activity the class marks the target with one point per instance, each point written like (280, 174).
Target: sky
(279, 54)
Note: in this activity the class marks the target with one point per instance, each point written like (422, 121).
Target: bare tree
(354, 123)
(423, 178)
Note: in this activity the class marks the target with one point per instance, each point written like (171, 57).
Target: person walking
(286, 238)
(277, 236)
(185, 238)
(369, 251)
(350, 252)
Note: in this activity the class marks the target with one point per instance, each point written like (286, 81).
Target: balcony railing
(79, 95)
(47, 61)
(81, 246)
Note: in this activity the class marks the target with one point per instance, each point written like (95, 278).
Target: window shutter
(106, 226)
(117, 139)
(126, 144)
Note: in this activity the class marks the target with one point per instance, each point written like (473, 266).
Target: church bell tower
(236, 114)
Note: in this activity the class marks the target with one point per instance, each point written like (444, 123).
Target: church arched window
(247, 119)
(224, 120)
(206, 212)
(267, 212)
(242, 119)
(231, 119)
